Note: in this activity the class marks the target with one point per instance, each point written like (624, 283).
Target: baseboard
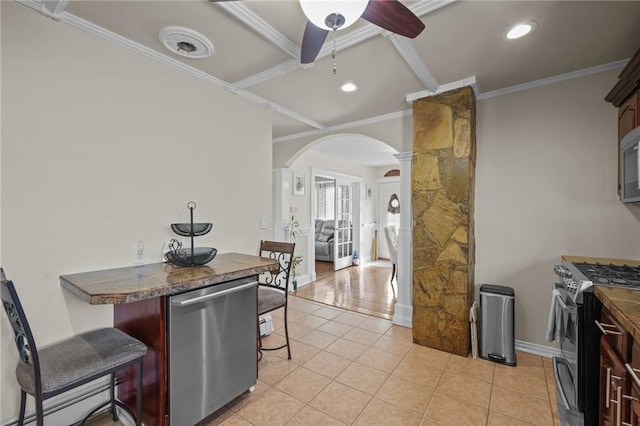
(403, 315)
(70, 407)
(302, 280)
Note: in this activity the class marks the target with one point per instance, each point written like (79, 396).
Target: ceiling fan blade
(393, 16)
(312, 42)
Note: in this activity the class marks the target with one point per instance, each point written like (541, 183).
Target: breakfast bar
(151, 301)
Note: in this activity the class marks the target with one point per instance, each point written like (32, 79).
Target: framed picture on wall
(298, 184)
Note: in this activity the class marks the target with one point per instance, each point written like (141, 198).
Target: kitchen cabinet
(633, 399)
(628, 117)
(619, 366)
(625, 96)
(612, 385)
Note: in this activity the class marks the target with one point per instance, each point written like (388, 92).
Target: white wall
(546, 186)
(102, 147)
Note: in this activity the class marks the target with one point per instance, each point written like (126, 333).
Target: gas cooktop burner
(612, 275)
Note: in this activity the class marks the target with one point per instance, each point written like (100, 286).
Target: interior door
(385, 218)
(343, 239)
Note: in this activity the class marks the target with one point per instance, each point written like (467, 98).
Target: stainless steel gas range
(576, 310)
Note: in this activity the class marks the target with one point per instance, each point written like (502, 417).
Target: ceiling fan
(324, 16)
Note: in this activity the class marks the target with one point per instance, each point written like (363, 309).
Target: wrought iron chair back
(283, 253)
(273, 288)
(22, 336)
(92, 355)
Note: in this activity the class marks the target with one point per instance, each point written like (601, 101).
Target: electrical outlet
(263, 222)
(139, 258)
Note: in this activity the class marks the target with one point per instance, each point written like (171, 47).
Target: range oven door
(568, 412)
(565, 368)
(569, 332)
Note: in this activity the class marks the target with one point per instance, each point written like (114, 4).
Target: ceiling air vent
(186, 42)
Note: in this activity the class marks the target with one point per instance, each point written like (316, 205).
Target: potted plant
(293, 229)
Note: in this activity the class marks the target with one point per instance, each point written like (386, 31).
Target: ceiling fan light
(520, 30)
(317, 11)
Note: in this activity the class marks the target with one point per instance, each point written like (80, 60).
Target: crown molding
(470, 81)
(412, 58)
(277, 108)
(343, 126)
(53, 8)
(278, 70)
(554, 79)
(404, 156)
(260, 26)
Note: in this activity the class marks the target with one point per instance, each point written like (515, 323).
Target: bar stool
(67, 364)
(273, 288)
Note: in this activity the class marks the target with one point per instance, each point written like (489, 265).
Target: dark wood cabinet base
(146, 321)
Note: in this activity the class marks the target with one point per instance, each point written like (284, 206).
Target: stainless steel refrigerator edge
(212, 335)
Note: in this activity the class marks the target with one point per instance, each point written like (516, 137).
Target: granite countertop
(624, 304)
(134, 283)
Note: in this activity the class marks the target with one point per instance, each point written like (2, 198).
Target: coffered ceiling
(257, 46)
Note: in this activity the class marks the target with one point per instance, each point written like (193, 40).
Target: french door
(343, 239)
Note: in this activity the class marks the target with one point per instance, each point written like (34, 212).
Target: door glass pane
(344, 223)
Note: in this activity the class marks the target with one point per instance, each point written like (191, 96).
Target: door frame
(357, 209)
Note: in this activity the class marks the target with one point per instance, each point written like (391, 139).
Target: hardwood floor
(365, 289)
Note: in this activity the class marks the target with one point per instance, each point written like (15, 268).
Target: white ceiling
(257, 45)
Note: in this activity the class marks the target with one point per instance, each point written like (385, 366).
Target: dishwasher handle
(214, 295)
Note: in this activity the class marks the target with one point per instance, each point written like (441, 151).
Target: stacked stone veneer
(443, 170)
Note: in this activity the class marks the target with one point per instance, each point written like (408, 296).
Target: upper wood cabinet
(625, 95)
(628, 117)
(628, 82)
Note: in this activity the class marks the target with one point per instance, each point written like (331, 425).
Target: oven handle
(564, 305)
(560, 390)
(604, 332)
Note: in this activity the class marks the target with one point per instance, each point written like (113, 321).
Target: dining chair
(273, 286)
(51, 370)
(392, 244)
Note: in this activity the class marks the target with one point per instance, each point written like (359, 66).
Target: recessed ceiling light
(349, 87)
(520, 30)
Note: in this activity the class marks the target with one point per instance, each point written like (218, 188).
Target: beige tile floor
(352, 369)
(348, 368)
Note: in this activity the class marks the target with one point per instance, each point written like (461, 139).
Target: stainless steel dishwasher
(212, 336)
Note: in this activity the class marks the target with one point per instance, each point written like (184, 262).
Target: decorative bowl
(191, 230)
(185, 257)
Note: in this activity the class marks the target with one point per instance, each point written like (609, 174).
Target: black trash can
(497, 339)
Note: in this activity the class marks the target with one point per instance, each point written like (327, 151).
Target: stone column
(443, 173)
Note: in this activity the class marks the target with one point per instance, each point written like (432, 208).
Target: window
(325, 199)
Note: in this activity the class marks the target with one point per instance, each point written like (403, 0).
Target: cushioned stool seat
(269, 300)
(72, 360)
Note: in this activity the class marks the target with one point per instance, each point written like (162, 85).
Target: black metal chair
(64, 365)
(273, 287)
